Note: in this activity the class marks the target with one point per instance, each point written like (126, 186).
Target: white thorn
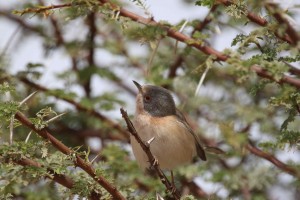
(54, 118)
(151, 140)
(95, 158)
(201, 80)
(183, 26)
(117, 15)
(27, 138)
(217, 29)
(11, 129)
(158, 196)
(27, 98)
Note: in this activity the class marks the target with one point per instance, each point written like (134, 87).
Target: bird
(156, 119)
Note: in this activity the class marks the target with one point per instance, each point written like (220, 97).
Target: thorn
(201, 80)
(11, 129)
(217, 29)
(27, 98)
(149, 141)
(95, 158)
(158, 196)
(54, 118)
(117, 15)
(183, 26)
(27, 138)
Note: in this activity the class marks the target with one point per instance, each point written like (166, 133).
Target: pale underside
(173, 144)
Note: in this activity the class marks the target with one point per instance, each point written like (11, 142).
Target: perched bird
(157, 117)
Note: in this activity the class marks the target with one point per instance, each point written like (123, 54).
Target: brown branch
(22, 23)
(259, 20)
(170, 31)
(41, 9)
(79, 162)
(277, 13)
(57, 32)
(173, 68)
(285, 79)
(284, 167)
(91, 51)
(206, 20)
(250, 15)
(152, 160)
(59, 178)
(123, 136)
(197, 191)
(188, 40)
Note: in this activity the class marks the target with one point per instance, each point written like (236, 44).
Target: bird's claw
(154, 163)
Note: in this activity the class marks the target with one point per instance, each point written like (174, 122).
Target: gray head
(155, 100)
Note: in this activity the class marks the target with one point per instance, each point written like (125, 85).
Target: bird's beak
(139, 87)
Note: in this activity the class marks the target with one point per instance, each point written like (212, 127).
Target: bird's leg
(153, 162)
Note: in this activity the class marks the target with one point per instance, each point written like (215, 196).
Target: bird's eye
(147, 98)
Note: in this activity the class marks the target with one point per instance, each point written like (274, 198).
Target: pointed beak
(139, 87)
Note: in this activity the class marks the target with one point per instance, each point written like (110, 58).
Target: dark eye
(147, 98)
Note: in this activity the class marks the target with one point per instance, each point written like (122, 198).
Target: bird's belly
(173, 145)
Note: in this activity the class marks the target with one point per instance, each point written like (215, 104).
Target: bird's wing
(200, 150)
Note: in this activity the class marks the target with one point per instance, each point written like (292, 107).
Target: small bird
(156, 117)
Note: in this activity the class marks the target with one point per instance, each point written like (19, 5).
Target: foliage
(249, 104)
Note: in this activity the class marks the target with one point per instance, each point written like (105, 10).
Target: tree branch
(260, 21)
(207, 20)
(59, 178)
(79, 162)
(277, 13)
(288, 169)
(151, 158)
(186, 39)
(123, 133)
(191, 42)
(285, 79)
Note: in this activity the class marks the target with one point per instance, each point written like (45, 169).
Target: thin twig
(123, 136)
(259, 20)
(284, 167)
(58, 178)
(206, 20)
(151, 158)
(41, 9)
(9, 42)
(277, 13)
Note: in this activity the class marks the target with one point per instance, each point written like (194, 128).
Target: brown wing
(200, 150)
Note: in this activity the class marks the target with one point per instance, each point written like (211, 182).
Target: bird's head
(154, 100)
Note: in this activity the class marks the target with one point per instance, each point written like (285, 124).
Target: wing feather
(200, 150)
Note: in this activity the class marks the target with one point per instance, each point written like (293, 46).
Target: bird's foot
(154, 163)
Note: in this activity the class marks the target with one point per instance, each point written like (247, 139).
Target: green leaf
(208, 3)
